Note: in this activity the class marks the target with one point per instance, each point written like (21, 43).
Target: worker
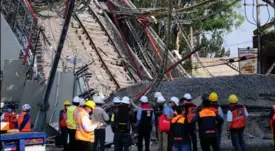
(236, 120)
(158, 112)
(99, 115)
(169, 113)
(84, 134)
(208, 129)
(63, 125)
(213, 98)
(272, 123)
(190, 111)
(145, 121)
(158, 94)
(122, 121)
(24, 119)
(71, 122)
(10, 116)
(180, 131)
(113, 111)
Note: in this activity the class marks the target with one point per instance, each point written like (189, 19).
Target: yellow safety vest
(71, 123)
(80, 133)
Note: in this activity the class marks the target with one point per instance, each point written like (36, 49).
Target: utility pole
(258, 9)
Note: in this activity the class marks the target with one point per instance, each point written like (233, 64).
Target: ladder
(234, 67)
(271, 68)
(142, 53)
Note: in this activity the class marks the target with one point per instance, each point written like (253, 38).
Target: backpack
(164, 124)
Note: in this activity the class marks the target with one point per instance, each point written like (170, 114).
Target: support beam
(270, 69)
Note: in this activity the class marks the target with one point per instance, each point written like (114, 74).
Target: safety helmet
(160, 99)
(144, 99)
(26, 107)
(187, 96)
(116, 100)
(67, 102)
(90, 104)
(98, 99)
(125, 100)
(2, 105)
(81, 102)
(157, 94)
(76, 99)
(213, 97)
(233, 98)
(175, 100)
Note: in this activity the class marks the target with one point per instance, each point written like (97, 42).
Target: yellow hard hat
(90, 104)
(67, 102)
(213, 97)
(233, 98)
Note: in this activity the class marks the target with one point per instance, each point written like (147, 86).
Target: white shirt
(230, 116)
(86, 124)
(220, 113)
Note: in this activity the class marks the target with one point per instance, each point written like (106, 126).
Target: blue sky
(242, 37)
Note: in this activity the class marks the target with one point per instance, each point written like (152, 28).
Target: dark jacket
(180, 130)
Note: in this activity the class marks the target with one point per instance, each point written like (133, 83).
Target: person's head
(81, 102)
(160, 99)
(143, 99)
(213, 97)
(233, 99)
(157, 94)
(116, 101)
(76, 101)
(187, 97)
(125, 100)
(174, 101)
(98, 100)
(89, 106)
(26, 108)
(67, 103)
(179, 110)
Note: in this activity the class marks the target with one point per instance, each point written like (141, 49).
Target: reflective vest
(80, 133)
(27, 127)
(62, 122)
(71, 123)
(214, 107)
(11, 119)
(76, 113)
(191, 111)
(238, 116)
(207, 123)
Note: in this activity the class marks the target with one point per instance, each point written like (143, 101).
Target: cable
(236, 44)
(268, 14)
(246, 14)
(253, 4)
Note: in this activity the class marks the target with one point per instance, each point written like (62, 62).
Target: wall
(10, 48)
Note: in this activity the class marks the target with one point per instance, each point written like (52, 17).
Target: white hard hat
(160, 99)
(187, 96)
(98, 99)
(76, 99)
(2, 105)
(175, 100)
(82, 102)
(116, 100)
(125, 100)
(157, 94)
(144, 99)
(26, 107)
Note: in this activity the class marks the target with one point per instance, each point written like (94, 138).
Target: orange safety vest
(238, 117)
(62, 122)
(208, 113)
(191, 111)
(80, 133)
(27, 127)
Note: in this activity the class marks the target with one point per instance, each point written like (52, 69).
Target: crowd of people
(176, 122)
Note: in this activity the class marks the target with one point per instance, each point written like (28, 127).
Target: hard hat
(2, 105)
(67, 102)
(233, 98)
(144, 99)
(26, 107)
(81, 102)
(187, 96)
(76, 99)
(116, 100)
(157, 94)
(160, 99)
(175, 100)
(90, 104)
(125, 100)
(213, 97)
(98, 99)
